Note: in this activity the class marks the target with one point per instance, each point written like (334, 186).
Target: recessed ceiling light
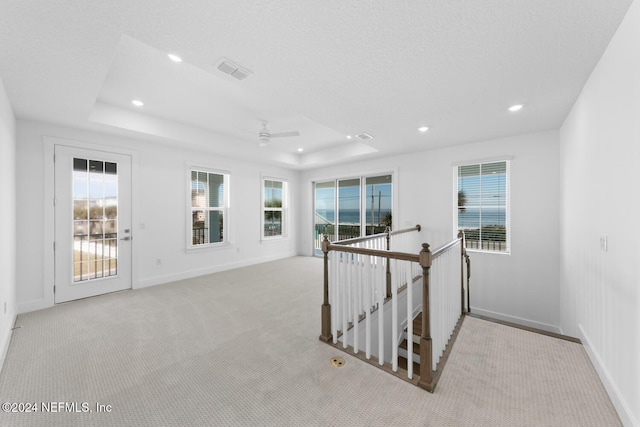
(516, 107)
(300, 150)
(348, 136)
(423, 129)
(174, 58)
(137, 103)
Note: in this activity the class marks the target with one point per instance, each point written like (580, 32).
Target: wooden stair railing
(421, 325)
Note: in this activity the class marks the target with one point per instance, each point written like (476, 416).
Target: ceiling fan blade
(281, 134)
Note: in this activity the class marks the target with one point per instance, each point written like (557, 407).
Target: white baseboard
(620, 404)
(518, 320)
(6, 339)
(158, 280)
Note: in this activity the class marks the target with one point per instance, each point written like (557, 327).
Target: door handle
(126, 238)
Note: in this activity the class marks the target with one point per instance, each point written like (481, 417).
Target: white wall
(7, 221)
(600, 152)
(521, 287)
(160, 215)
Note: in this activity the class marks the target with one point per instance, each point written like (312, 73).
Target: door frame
(49, 213)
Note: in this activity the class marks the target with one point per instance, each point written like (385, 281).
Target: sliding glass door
(352, 207)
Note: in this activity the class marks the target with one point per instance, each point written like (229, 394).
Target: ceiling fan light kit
(264, 136)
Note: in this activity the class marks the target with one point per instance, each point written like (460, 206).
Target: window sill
(273, 239)
(480, 251)
(208, 247)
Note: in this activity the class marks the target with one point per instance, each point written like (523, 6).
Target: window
(209, 207)
(482, 207)
(274, 208)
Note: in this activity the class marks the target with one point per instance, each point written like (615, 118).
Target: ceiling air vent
(364, 136)
(232, 69)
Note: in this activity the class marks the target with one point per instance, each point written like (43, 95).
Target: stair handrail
(388, 232)
(373, 252)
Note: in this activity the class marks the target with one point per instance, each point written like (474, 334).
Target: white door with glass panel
(92, 223)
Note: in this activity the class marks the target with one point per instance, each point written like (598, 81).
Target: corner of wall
(6, 340)
(8, 214)
(617, 399)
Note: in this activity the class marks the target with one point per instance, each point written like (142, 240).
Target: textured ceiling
(327, 69)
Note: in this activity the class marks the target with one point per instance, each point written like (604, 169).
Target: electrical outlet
(604, 243)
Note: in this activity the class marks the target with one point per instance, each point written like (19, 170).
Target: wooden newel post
(326, 307)
(426, 376)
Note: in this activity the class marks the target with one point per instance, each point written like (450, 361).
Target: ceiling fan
(264, 136)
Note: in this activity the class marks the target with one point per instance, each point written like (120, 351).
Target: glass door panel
(325, 212)
(95, 218)
(348, 208)
(378, 203)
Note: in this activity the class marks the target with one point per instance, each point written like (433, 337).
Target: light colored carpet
(241, 348)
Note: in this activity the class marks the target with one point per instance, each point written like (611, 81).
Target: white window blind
(482, 208)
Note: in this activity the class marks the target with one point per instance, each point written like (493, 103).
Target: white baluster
(440, 308)
(374, 279)
(435, 308)
(333, 300)
(366, 259)
(356, 305)
(380, 282)
(348, 301)
(404, 281)
(394, 324)
(344, 302)
(409, 327)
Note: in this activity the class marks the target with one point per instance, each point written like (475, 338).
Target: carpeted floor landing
(241, 348)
